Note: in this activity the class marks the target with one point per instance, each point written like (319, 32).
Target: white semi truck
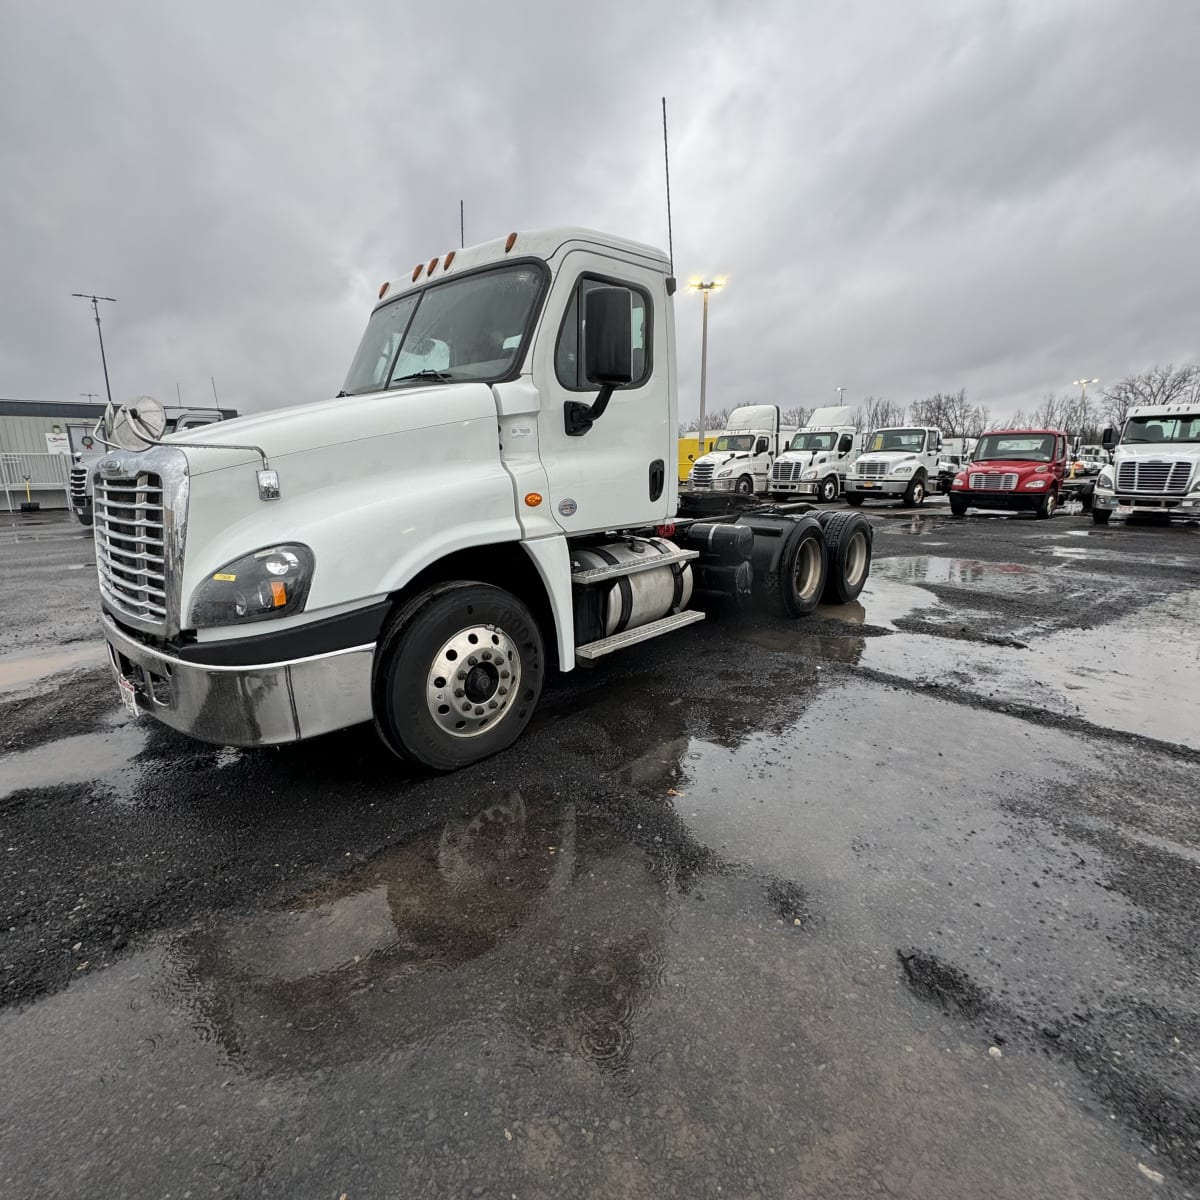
(897, 464)
(740, 460)
(1155, 466)
(491, 494)
(817, 458)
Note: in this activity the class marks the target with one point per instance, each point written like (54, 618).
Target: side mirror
(1108, 439)
(691, 458)
(608, 336)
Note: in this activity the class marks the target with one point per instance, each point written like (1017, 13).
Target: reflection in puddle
(915, 526)
(80, 759)
(519, 913)
(926, 568)
(18, 670)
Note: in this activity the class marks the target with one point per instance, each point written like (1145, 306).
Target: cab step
(616, 570)
(643, 633)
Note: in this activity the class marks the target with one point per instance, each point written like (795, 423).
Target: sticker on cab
(225, 578)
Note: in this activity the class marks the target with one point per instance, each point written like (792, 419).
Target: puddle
(914, 526)
(1080, 553)
(928, 568)
(81, 759)
(19, 670)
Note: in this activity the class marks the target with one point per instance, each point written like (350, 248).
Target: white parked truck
(1155, 466)
(897, 464)
(815, 461)
(491, 494)
(740, 460)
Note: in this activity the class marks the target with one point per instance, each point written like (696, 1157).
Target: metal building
(38, 440)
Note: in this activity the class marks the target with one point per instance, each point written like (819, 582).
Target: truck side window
(846, 444)
(761, 447)
(568, 356)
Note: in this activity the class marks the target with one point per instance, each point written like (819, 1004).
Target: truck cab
(1155, 465)
(897, 464)
(816, 459)
(741, 457)
(489, 496)
(1019, 470)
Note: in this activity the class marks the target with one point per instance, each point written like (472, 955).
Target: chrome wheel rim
(856, 559)
(918, 493)
(473, 680)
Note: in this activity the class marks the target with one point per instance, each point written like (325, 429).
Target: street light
(96, 309)
(840, 391)
(698, 285)
(1082, 385)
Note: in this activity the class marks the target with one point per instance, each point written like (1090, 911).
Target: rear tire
(827, 490)
(848, 538)
(853, 499)
(443, 715)
(914, 495)
(1100, 516)
(794, 588)
(958, 506)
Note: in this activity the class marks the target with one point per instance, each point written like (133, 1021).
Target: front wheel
(914, 496)
(458, 672)
(854, 500)
(1048, 506)
(827, 490)
(958, 506)
(1100, 516)
(744, 486)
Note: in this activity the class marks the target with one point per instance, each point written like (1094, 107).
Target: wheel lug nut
(459, 693)
(504, 691)
(472, 661)
(461, 675)
(493, 704)
(479, 712)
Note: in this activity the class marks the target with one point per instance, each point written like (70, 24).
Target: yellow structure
(689, 451)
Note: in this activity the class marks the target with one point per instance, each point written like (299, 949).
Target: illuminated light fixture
(533, 499)
(509, 242)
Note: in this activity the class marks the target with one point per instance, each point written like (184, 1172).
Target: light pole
(1082, 385)
(698, 285)
(95, 301)
(841, 392)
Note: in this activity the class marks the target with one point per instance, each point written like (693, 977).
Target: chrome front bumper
(261, 705)
(878, 487)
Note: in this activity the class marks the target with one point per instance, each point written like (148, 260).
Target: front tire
(853, 499)
(1048, 507)
(914, 495)
(958, 506)
(458, 673)
(1100, 516)
(827, 490)
(744, 486)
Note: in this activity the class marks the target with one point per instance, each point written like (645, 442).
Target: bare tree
(1159, 385)
(950, 412)
(796, 416)
(875, 413)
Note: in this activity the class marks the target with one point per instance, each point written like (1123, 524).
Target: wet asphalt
(900, 900)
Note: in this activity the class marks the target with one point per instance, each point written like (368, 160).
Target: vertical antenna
(214, 383)
(462, 237)
(667, 165)
(178, 394)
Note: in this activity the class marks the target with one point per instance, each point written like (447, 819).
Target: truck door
(618, 473)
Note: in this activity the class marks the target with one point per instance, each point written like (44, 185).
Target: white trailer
(491, 494)
(815, 462)
(740, 460)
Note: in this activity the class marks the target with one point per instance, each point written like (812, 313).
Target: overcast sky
(905, 197)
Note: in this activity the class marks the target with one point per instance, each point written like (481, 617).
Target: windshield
(472, 328)
(1026, 447)
(813, 441)
(1182, 428)
(739, 442)
(910, 440)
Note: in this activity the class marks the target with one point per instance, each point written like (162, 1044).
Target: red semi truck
(1013, 469)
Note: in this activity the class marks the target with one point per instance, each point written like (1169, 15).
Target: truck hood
(281, 432)
(890, 460)
(1171, 450)
(720, 457)
(1022, 466)
(804, 456)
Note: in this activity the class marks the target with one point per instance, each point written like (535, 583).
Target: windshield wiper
(427, 374)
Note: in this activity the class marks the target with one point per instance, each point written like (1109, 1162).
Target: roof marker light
(383, 289)
(509, 242)
(448, 260)
(417, 271)
(433, 262)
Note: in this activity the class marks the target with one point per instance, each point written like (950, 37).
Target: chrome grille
(702, 474)
(993, 481)
(79, 480)
(1160, 477)
(787, 472)
(130, 546)
(872, 469)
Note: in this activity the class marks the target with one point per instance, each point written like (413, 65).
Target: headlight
(1035, 483)
(810, 473)
(960, 481)
(268, 583)
(902, 471)
(1105, 479)
(727, 471)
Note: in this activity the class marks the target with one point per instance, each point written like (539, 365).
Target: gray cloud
(997, 196)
